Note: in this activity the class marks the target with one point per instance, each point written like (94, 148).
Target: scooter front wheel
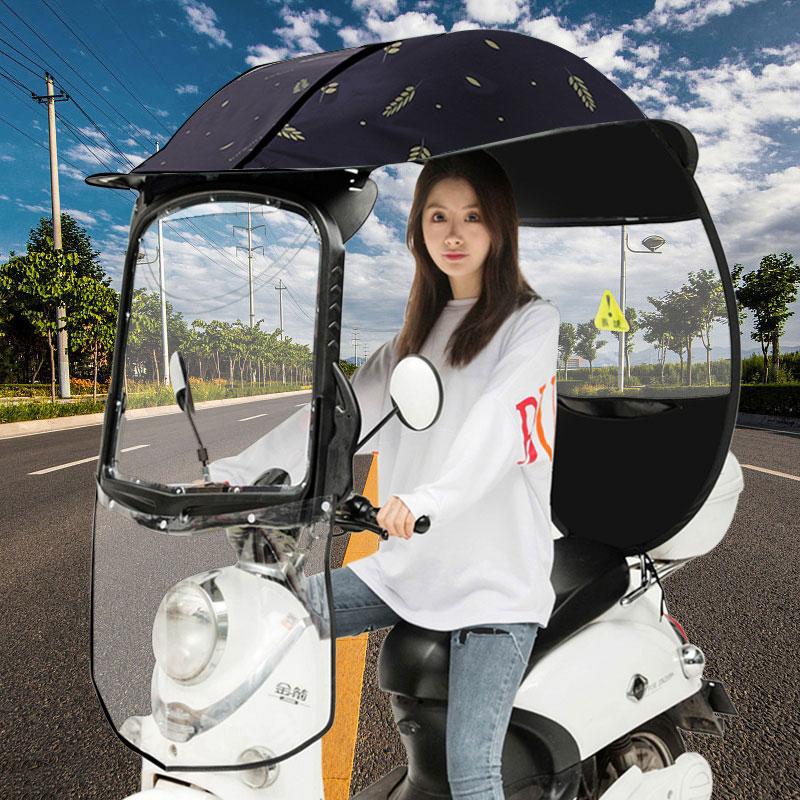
(655, 744)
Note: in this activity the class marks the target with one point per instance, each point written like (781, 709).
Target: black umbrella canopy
(392, 102)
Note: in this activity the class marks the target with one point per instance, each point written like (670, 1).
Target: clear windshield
(213, 650)
(660, 281)
(231, 285)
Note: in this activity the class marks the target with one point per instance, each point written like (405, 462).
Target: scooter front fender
(610, 677)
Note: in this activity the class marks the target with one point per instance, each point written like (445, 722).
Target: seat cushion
(588, 578)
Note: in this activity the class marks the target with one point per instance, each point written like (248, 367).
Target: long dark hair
(503, 287)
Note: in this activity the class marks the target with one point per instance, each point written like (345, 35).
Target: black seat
(588, 578)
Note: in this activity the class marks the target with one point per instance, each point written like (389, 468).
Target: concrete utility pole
(250, 250)
(355, 347)
(61, 312)
(281, 289)
(163, 288)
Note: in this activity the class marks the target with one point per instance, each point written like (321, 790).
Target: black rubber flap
(391, 102)
(632, 482)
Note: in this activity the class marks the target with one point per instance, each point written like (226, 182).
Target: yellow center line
(772, 472)
(339, 743)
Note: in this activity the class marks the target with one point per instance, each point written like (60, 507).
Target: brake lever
(358, 514)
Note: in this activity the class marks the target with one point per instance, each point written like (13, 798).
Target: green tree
(39, 282)
(767, 291)
(94, 321)
(24, 339)
(633, 327)
(706, 288)
(145, 344)
(566, 343)
(588, 345)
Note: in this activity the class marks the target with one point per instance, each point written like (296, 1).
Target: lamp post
(652, 243)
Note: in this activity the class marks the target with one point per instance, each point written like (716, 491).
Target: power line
(24, 66)
(100, 62)
(62, 80)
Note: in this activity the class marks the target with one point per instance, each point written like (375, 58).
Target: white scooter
(243, 669)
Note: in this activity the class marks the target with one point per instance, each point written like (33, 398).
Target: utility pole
(366, 353)
(250, 251)
(163, 288)
(280, 288)
(355, 347)
(61, 312)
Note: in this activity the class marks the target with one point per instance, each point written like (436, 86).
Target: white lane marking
(255, 416)
(83, 461)
(772, 472)
(301, 404)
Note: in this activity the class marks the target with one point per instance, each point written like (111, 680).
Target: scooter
(233, 696)
(614, 737)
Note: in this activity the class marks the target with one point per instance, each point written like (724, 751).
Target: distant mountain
(647, 355)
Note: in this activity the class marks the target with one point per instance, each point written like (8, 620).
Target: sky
(729, 70)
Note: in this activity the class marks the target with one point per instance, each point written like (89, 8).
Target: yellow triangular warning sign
(609, 315)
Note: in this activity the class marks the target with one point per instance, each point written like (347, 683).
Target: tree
(566, 343)
(587, 342)
(94, 320)
(16, 328)
(633, 327)
(39, 282)
(145, 346)
(710, 304)
(767, 291)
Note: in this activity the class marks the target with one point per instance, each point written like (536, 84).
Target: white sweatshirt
(482, 473)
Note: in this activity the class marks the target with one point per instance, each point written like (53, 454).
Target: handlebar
(358, 514)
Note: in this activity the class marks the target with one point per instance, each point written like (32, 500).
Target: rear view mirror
(180, 383)
(416, 391)
(417, 395)
(179, 378)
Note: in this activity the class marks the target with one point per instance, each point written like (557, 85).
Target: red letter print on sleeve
(527, 434)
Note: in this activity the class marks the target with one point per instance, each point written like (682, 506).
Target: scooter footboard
(540, 759)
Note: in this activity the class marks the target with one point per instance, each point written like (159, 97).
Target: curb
(9, 430)
(768, 422)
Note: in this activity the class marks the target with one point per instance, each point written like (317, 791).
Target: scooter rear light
(678, 628)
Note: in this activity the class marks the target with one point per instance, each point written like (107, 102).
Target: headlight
(190, 630)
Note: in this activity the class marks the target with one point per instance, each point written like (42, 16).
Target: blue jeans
(486, 667)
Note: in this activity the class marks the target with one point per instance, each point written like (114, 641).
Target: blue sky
(727, 69)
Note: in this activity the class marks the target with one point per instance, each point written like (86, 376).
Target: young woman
(482, 472)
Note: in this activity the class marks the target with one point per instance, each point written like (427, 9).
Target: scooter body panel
(625, 642)
(296, 778)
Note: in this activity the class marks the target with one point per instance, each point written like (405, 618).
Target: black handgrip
(422, 525)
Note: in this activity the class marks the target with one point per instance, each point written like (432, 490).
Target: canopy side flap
(607, 174)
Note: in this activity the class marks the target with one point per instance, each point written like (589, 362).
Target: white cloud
(301, 32)
(186, 88)
(601, 51)
(375, 29)
(501, 12)
(71, 172)
(647, 52)
(381, 6)
(159, 112)
(40, 209)
(7, 158)
(203, 20)
(81, 216)
(299, 37)
(686, 15)
(4, 197)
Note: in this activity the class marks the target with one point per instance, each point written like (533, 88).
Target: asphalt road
(739, 603)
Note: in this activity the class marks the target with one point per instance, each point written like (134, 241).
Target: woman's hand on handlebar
(396, 518)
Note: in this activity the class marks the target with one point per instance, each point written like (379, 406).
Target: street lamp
(652, 243)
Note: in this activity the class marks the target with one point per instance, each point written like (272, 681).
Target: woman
(482, 473)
